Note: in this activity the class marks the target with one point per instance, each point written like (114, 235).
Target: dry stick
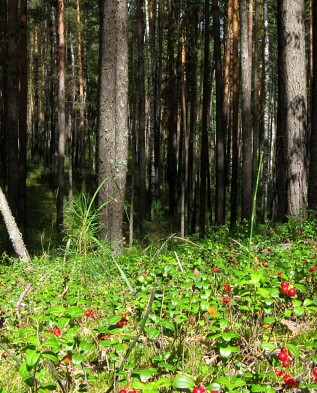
(136, 338)
(22, 296)
(13, 230)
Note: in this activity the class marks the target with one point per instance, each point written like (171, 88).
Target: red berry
(315, 371)
(199, 389)
(226, 288)
(292, 292)
(282, 356)
(57, 332)
(88, 313)
(286, 363)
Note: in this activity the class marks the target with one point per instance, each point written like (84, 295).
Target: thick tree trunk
(113, 118)
(312, 194)
(292, 108)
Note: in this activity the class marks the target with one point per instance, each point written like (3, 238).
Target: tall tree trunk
(246, 79)
(312, 194)
(184, 130)
(172, 114)
(141, 116)
(61, 116)
(192, 75)
(113, 118)
(23, 64)
(220, 122)
(293, 108)
(266, 115)
(204, 158)
(235, 114)
(81, 98)
(12, 121)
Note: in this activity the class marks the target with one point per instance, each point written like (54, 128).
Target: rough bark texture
(220, 123)
(204, 152)
(61, 116)
(235, 114)
(293, 106)
(312, 194)
(113, 119)
(246, 79)
(13, 230)
(141, 117)
(23, 72)
(12, 121)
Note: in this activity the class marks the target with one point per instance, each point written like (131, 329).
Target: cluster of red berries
(90, 313)
(288, 379)
(315, 373)
(123, 320)
(199, 389)
(127, 389)
(284, 357)
(287, 288)
(56, 331)
(313, 268)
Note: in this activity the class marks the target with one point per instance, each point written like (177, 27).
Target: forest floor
(230, 313)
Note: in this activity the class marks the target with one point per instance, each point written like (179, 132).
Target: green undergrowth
(181, 313)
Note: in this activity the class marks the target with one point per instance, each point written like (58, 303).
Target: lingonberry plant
(219, 316)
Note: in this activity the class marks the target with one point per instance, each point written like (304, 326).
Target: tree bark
(246, 79)
(13, 230)
(235, 114)
(220, 122)
(312, 194)
(61, 117)
(113, 118)
(292, 109)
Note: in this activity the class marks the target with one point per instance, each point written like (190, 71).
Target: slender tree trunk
(141, 116)
(12, 122)
(23, 64)
(220, 121)
(61, 117)
(235, 114)
(204, 158)
(246, 79)
(13, 230)
(81, 98)
(184, 147)
(172, 114)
